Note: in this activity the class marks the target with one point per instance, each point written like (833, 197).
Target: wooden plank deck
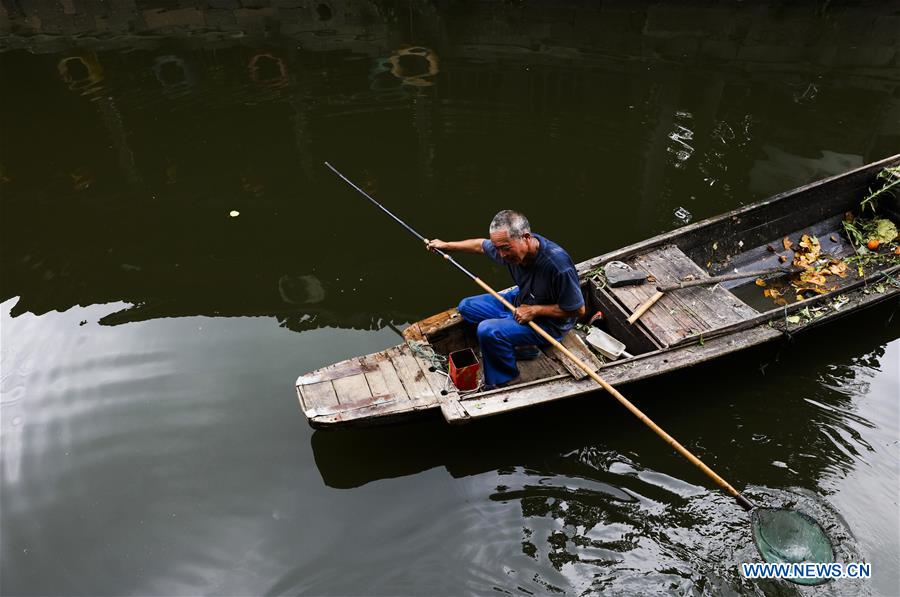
(539, 368)
(576, 346)
(390, 382)
(318, 397)
(395, 382)
(683, 312)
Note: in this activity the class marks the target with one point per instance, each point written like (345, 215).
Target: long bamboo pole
(722, 483)
(745, 503)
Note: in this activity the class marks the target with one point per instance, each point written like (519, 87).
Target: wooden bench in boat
(685, 312)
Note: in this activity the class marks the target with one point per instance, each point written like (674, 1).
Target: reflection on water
(155, 143)
(173, 254)
(595, 501)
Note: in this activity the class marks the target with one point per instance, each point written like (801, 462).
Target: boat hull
(686, 328)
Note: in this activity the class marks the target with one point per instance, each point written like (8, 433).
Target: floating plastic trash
(683, 215)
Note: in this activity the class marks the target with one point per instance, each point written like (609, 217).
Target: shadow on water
(351, 458)
(164, 121)
(722, 391)
(605, 504)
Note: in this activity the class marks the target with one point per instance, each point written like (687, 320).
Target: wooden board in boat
(681, 313)
(392, 382)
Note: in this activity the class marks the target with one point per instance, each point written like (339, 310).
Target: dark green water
(151, 439)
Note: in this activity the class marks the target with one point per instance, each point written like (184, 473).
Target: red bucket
(464, 369)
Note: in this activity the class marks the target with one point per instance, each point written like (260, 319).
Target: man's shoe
(527, 353)
(488, 387)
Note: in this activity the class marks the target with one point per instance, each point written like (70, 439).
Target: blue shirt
(550, 279)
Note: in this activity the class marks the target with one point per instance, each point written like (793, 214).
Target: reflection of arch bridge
(573, 32)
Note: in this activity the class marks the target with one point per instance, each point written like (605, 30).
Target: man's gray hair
(515, 223)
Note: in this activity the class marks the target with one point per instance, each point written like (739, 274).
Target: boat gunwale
(584, 267)
(636, 248)
(733, 329)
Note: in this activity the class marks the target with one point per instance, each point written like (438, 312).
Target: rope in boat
(438, 362)
(426, 352)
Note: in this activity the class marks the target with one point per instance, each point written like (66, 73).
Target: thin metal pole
(401, 222)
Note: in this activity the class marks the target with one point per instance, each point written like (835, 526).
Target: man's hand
(526, 313)
(473, 245)
(436, 244)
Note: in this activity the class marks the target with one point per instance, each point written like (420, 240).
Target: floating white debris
(234, 213)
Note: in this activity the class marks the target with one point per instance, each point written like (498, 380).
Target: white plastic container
(606, 344)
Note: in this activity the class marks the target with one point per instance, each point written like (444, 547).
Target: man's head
(511, 236)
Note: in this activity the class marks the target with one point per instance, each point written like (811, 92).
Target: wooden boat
(686, 327)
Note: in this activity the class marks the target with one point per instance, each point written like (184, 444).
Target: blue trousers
(499, 333)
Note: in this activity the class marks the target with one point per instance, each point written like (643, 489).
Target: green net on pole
(788, 536)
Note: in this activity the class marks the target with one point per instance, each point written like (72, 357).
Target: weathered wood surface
(614, 374)
(410, 374)
(352, 389)
(709, 281)
(338, 370)
(420, 330)
(682, 312)
(385, 380)
(370, 414)
(636, 338)
(539, 368)
(576, 346)
(318, 396)
(387, 383)
(453, 338)
(453, 410)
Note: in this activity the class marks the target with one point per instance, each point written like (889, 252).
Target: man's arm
(568, 292)
(526, 313)
(472, 245)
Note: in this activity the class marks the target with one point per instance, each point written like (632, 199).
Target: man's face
(512, 250)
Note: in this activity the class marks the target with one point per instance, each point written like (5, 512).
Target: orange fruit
(873, 244)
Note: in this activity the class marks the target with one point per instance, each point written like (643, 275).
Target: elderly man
(546, 291)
